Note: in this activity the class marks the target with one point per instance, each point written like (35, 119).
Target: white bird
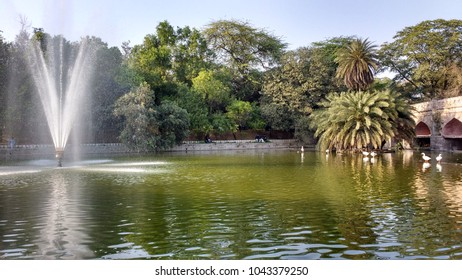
(439, 158)
(365, 153)
(373, 154)
(425, 157)
(302, 149)
(327, 151)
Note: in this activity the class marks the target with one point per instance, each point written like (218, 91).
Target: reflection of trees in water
(206, 217)
(378, 200)
(215, 225)
(437, 223)
(22, 210)
(364, 205)
(45, 209)
(184, 227)
(355, 221)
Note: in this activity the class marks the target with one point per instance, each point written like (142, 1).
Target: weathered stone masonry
(439, 124)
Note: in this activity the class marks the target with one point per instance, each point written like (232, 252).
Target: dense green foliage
(140, 129)
(357, 120)
(172, 123)
(239, 112)
(150, 127)
(244, 50)
(183, 82)
(427, 58)
(214, 92)
(357, 64)
(303, 78)
(107, 87)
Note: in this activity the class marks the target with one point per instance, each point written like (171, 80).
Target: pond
(233, 205)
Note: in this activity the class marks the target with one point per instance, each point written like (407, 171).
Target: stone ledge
(48, 151)
(233, 145)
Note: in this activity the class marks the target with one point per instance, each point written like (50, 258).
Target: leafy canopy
(241, 46)
(213, 90)
(357, 64)
(356, 120)
(148, 127)
(301, 80)
(427, 56)
(245, 51)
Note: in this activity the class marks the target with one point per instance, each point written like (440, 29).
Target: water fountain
(61, 74)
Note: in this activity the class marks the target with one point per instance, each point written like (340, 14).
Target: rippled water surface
(241, 205)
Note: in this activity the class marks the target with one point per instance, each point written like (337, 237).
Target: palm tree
(357, 63)
(355, 120)
(404, 121)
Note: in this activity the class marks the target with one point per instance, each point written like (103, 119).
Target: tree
(153, 61)
(278, 116)
(168, 61)
(243, 47)
(300, 82)
(173, 125)
(302, 79)
(454, 82)
(107, 87)
(140, 131)
(169, 57)
(357, 120)
(240, 112)
(213, 89)
(148, 127)
(427, 57)
(256, 120)
(199, 123)
(403, 123)
(245, 50)
(24, 115)
(190, 55)
(357, 64)
(222, 124)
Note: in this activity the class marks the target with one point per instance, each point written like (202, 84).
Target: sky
(297, 22)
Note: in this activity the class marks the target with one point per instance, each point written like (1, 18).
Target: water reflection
(437, 212)
(236, 206)
(61, 234)
(439, 168)
(425, 166)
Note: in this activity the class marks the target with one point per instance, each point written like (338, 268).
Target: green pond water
(233, 205)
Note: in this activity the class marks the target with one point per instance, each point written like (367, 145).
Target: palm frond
(359, 119)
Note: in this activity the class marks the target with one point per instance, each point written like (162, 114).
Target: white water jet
(62, 82)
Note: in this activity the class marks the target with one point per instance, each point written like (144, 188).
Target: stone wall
(189, 146)
(48, 151)
(88, 150)
(438, 115)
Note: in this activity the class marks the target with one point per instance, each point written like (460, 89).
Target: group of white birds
(427, 164)
(373, 154)
(427, 158)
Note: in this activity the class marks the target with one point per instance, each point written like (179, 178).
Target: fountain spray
(62, 79)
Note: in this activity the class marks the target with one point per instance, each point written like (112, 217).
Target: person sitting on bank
(260, 139)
